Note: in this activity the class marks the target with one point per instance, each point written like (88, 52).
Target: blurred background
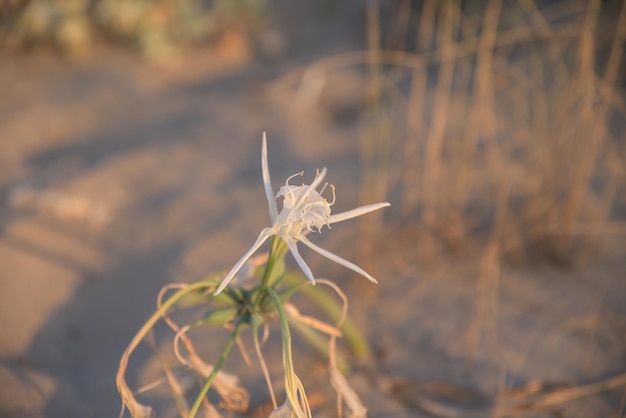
(130, 135)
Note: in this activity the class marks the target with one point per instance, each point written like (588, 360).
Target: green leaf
(216, 317)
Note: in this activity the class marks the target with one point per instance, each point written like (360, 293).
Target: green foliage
(153, 27)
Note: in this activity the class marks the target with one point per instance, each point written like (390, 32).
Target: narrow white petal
(263, 236)
(296, 254)
(267, 183)
(362, 210)
(337, 259)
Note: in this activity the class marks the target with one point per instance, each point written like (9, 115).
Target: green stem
(216, 368)
(272, 257)
(284, 324)
(293, 387)
(271, 261)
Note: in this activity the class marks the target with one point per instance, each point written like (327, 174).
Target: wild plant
(254, 293)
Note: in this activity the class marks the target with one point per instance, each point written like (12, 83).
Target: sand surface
(119, 176)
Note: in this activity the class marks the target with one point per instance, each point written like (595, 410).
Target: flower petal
(337, 259)
(263, 236)
(291, 243)
(362, 210)
(267, 183)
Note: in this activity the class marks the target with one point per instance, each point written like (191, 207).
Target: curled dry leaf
(136, 409)
(314, 323)
(283, 411)
(344, 391)
(348, 395)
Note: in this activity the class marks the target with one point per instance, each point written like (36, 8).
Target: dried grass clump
(513, 113)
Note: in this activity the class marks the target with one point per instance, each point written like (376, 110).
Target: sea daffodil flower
(304, 210)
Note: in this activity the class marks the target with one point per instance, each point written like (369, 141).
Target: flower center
(304, 208)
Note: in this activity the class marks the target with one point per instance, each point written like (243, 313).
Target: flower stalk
(296, 401)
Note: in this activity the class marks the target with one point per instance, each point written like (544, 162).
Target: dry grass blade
(449, 22)
(264, 368)
(531, 398)
(235, 397)
(314, 323)
(415, 110)
(592, 123)
(177, 390)
(487, 300)
(560, 396)
(137, 410)
(129, 401)
(347, 395)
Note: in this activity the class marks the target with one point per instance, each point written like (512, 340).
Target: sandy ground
(118, 176)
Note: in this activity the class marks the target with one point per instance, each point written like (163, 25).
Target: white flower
(304, 209)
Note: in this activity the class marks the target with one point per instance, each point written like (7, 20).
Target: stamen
(295, 175)
(289, 189)
(305, 195)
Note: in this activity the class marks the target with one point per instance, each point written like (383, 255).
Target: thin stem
(272, 257)
(284, 323)
(216, 368)
(271, 261)
(293, 386)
